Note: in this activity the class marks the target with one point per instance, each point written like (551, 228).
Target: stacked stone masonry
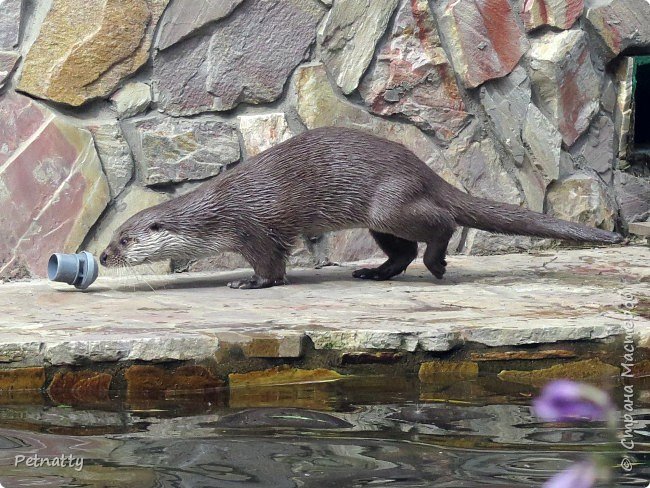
(109, 106)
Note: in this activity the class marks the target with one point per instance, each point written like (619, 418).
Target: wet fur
(323, 180)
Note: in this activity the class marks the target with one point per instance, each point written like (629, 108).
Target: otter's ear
(156, 226)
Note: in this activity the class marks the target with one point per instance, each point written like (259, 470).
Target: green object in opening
(638, 61)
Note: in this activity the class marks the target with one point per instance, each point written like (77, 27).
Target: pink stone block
(32, 179)
(413, 77)
(620, 25)
(55, 223)
(564, 81)
(19, 119)
(556, 13)
(484, 37)
(51, 186)
(10, 13)
(8, 62)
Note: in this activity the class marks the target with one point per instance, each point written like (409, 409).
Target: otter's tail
(503, 218)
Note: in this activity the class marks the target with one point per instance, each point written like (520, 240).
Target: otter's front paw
(371, 274)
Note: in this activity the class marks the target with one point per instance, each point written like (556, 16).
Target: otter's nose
(102, 258)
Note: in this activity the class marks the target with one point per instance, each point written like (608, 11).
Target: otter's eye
(124, 241)
(155, 227)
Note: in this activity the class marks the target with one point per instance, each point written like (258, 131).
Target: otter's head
(142, 238)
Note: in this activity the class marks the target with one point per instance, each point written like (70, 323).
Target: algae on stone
(20, 379)
(589, 369)
(74, 387)
(282, 376)
(444, 371)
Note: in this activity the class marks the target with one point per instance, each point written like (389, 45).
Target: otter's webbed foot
(255, 282)
(438, 268)
(380, 273)
(435, 256)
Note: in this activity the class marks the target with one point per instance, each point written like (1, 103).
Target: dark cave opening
(642, 103)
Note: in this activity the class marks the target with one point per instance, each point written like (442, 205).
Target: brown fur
(323, 180)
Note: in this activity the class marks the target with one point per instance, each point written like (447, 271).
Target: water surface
(363, 432)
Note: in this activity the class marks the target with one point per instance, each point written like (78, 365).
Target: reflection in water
(355, 437)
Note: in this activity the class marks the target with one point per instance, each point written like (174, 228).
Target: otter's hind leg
(425, 222)
(434, 256)
(269, 262)
(400, 253)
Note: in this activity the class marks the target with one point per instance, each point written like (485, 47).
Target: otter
(324, 180)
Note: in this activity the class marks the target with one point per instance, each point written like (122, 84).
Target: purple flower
(564, 400)
(580, 475)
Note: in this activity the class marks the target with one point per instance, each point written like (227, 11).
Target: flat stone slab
(640, 228)
(506, 300)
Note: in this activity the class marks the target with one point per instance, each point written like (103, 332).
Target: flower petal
(564, 400)
(580, 475)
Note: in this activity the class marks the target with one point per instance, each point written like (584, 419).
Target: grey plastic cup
(79, 269)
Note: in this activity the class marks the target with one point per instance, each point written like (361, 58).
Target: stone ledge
(640, 228)
(507, 300)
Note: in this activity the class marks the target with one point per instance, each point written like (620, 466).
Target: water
(363, 432)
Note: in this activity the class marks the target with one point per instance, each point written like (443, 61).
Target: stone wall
(110, 106)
